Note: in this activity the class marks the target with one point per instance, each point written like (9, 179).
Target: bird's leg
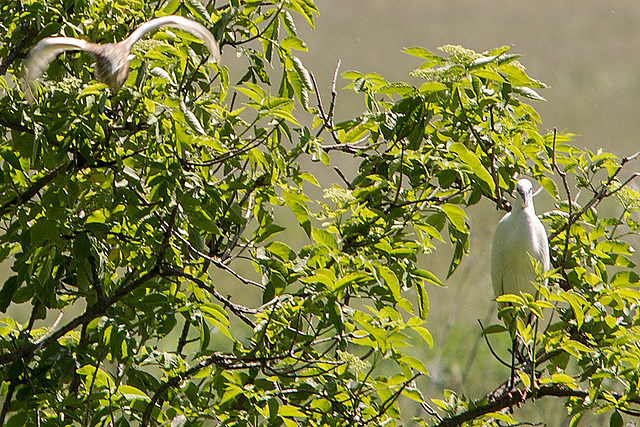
(532, 355)
(512, 376)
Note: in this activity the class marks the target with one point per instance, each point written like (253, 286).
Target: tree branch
(90, 313)
(566, 286)
(514, 399)
(600, 194)
(32, 190)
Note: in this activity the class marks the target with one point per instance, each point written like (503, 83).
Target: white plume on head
(112, 60)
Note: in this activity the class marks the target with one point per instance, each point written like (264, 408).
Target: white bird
(519, 237)
(112, 59)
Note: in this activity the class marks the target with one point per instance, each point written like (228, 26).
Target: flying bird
(112, 59)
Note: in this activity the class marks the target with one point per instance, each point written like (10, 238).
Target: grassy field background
(586, 51)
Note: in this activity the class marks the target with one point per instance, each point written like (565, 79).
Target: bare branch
(327, 119)
(563, 176)
(600, 194)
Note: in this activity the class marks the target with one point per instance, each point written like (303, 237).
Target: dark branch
(32, 190)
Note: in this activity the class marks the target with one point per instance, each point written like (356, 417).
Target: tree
(153, 233)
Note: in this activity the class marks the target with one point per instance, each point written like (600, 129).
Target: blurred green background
(585, 50)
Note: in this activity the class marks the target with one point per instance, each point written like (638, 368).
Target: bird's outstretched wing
(182, 23)
(43, 53)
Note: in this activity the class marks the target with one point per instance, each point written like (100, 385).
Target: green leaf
(414, 363)
(511, 298)
(425, 334)
(294, 43)
(422, 53)
(494, 329)
(323, 237)
(432, 87)
(296, 203)
(8, 289)
(198, 9)
(290, 411)
(193, 121)
(474, 162)
(457, 217)
(616, 419)
(488, 74)
(281, 250)
(576, 419)
(428, 276)
(390, 280)
(423, 301)
(562, 379)
(11, 158)
(95, 89)
(132, 393)
(171, 6)
(18, 420)
(527, 92)
(288, 22)
(549, 185)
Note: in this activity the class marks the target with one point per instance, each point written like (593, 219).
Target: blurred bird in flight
(112, 59)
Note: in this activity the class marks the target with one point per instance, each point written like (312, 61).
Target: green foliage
(152, 233)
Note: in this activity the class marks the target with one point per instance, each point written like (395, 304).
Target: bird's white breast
(519, 236)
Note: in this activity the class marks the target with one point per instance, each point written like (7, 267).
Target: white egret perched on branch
(112, 59)
(519, 237)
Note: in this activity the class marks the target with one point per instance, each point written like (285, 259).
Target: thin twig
(16, 51)
(493, 352)
(218, 263)
(50, 331)
(395, 199)
(238, 310)
(385, 405)
(95, 278)
(256, 142)
(600, 194)
(182, 341)
(432, 198)
(344, 178)
(515, 399)
(334, 93)
(563, 176)
(327, 119)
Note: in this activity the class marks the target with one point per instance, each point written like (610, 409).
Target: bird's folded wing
(182, 23)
